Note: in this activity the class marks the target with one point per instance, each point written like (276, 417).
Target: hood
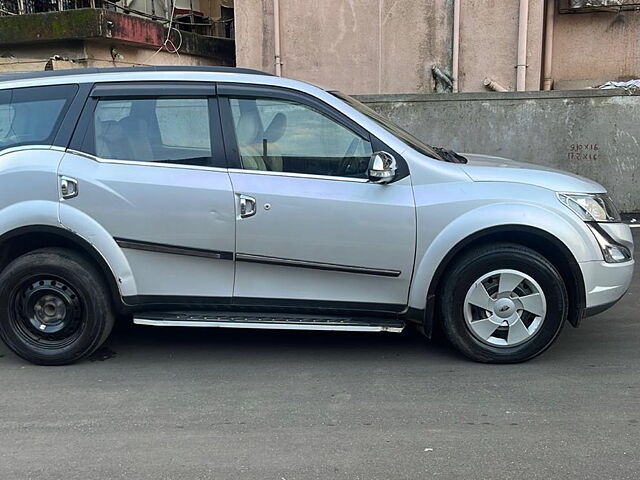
(485, 168)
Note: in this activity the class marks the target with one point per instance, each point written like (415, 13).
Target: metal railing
(22, 7)
(183, 19)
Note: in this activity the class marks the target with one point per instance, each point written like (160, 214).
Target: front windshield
(394, 129)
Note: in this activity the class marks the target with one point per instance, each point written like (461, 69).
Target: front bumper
(605, 284)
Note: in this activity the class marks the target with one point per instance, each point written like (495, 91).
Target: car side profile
(224, 197)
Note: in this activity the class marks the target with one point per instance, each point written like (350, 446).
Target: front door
(149, 171)
(311, 231)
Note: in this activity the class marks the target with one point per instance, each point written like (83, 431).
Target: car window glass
(284, 136)
(7, 115)
(32, 115)
(168, 130)
(113, 110)
(177, 125)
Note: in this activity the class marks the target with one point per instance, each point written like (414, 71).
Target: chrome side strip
(268, 326)
(215, 169)
(20, 148)
(162, 248)
(286, 262)
(145, 164)
(298, 175)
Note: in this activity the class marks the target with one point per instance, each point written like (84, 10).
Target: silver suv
(212, 197)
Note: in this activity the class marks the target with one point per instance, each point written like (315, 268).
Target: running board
(279, 321)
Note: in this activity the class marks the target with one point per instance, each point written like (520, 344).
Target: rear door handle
(68, 187)
(247, 206)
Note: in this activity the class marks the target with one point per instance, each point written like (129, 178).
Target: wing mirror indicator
(382, 168)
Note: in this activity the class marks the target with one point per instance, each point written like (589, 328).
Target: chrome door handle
(247, 206)
(68, 187)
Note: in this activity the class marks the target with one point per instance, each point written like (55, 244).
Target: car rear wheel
(503, 303)
(55, 307)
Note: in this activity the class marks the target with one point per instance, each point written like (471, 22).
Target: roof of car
(163, 68)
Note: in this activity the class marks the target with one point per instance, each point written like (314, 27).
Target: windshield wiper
(449, 155)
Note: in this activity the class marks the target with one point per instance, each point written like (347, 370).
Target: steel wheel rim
(46, 312)
(505, 308)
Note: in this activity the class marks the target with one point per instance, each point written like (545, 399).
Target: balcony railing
(21, 7)
(185, 19)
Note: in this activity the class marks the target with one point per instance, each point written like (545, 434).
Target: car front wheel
(55, 307)
(503, 303)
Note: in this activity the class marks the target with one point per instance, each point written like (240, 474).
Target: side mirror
(382, 168)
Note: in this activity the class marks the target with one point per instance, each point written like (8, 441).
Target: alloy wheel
(505, 308)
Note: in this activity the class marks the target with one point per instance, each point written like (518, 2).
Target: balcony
(48, 27)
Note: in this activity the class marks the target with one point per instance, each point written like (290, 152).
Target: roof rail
(163, 68)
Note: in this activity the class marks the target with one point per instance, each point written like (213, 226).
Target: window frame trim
(241, 90)
(151, 90)
(64, 125)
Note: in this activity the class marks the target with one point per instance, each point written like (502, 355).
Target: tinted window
(391, 127)
(32, 115)
(284, 136)
(169, 130)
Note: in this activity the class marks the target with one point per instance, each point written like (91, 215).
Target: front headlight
(591, 207)
(596, 208)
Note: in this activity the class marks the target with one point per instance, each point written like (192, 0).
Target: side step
(279, 321)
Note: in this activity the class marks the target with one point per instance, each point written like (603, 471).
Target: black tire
(483, 260)
(55, 307)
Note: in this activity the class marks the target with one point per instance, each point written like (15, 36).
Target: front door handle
(247, 206)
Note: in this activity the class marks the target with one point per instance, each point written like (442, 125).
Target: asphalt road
(165, 403)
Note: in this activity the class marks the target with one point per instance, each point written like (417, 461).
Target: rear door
(147, 166)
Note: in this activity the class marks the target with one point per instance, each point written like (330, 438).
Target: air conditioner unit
(186, 5)
(584, 6)
(595, 3)
(159, 7)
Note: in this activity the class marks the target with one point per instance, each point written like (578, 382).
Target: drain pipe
(521, 67)
(493, 85)
(455, 57)
(276, 34)
(548, 45)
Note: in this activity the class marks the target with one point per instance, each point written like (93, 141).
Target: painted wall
(489, 43)
(590, 49)
(359, 46)
(98, 54)
(591, 133)
(389, 46)
(92, 53)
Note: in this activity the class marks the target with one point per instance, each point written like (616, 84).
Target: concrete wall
(590, 49)
(389, 46)
(592, 133)
(489, 43)
(98, 54)
(359, 46)
(91, 53)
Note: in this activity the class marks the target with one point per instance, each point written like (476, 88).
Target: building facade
(422, 46)
(54, 34)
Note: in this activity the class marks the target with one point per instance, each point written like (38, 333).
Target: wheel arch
(543, 242)
(22, 240)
